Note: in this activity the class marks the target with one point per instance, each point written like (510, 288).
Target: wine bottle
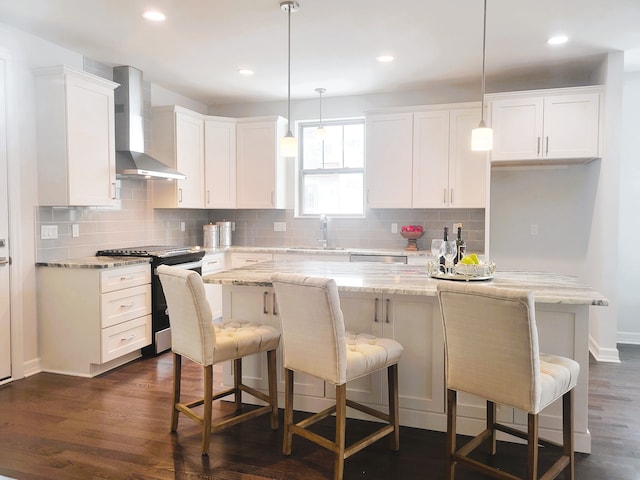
(445, 238)
(461, 247)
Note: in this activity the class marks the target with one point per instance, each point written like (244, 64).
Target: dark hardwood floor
(116, 426)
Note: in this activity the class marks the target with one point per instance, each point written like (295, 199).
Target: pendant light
(482, 137)
(321, 133)
(289, 143)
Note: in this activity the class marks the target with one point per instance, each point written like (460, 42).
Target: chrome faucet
(325, 232)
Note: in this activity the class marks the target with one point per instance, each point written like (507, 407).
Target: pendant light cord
(289, 73)
(484, 46)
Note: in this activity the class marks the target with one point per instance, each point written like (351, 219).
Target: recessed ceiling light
(558, 40)
(154, 16)
(247, 72)
(385, 58)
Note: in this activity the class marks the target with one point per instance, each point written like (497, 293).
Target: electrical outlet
(534, 229)
(48, 232)
(75, 230)
(394, 228)
(279, 226)
(456, 225)
(182, 227)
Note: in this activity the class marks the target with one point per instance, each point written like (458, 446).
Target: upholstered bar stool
(491, 345)
(315, 342)
(194, 335)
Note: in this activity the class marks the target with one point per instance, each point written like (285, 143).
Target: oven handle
(185, 266)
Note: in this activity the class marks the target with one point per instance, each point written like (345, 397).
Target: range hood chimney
(131, 161)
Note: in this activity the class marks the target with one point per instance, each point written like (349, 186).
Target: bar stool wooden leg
(452, 399)
(491, 425)
(208, 401)
(273, 387)
(567, 433)
(341, 426)
(392, 380)
(237, 380)
(177, 377)
(288, 411)
(532, 440)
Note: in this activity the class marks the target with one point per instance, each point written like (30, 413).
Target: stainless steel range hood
(131, 161)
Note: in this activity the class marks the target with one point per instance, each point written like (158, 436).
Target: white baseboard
(629, 338)
(31, 367)
(608, 355)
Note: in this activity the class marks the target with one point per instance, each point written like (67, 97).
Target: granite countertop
(94, 262)
(410, 280)
(324, 251)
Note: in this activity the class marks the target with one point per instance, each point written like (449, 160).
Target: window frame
(301, 172)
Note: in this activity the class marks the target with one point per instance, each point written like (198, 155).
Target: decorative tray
(463, 273)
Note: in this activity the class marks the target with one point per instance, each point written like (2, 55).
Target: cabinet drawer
(213, 263)
(113, 279)
(246, 259)
(122, 305)
(126, 337)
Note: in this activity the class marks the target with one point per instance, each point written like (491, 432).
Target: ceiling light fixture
(385, 58)
(154, 16)
(320, 131)
(247, 72)
(558, 40)
(289, 143)
(482, 137)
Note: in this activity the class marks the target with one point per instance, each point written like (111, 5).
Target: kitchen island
(399, 301)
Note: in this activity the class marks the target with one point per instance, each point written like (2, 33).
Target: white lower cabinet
(92, 320)
(212, 263)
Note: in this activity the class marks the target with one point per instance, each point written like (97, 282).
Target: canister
(211, 239)
(224, 233)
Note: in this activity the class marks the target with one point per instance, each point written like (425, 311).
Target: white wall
(23, 53)
(629, 272)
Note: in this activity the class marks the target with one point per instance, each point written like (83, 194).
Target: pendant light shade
(482, 137)
(321, 133)
(289, 143)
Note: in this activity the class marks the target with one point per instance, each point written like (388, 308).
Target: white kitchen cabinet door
(261, 180)
(546, 127)
(468, 170)
(571, 126)
(431, 159)
(259, 304)
(76, 138)
(389, 144)
(413, 321)
(220, 162)
(517, 128)
(212, 263)
(178, 141)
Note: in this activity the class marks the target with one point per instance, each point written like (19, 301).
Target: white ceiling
(200, 47)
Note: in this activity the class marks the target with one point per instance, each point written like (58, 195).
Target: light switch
(534, 229)
(279, 226)
(394, 228)
(48, 232)
(75, 230)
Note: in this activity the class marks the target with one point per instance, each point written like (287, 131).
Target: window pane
(354, 146)
(333, 194)
(333, 147)
(311, 149)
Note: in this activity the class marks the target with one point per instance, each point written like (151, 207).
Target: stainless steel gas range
(189, 258)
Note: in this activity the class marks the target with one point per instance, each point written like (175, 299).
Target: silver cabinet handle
(451, 195)
(127, 305)
(127, 277)
(179, 195)
(4, 261)
(265, 295)
(127, 338)
(538, 152)
(547, 148)
(386, 316)
(115, 192)
(274, 309)
(375, 310)
(444, 196)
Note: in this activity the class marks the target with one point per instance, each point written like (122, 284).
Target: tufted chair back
(192, 329)
(491, 343)
(313, 332)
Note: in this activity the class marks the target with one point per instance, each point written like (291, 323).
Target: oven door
(161, 329)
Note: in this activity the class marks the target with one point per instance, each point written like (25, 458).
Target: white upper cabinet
(423, 159)
(562, 124)
(389, 160)
(261, 173)
(76, 138)
(220, 162)
(178, 141)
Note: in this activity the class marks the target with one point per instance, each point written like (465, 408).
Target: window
(331, 176)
